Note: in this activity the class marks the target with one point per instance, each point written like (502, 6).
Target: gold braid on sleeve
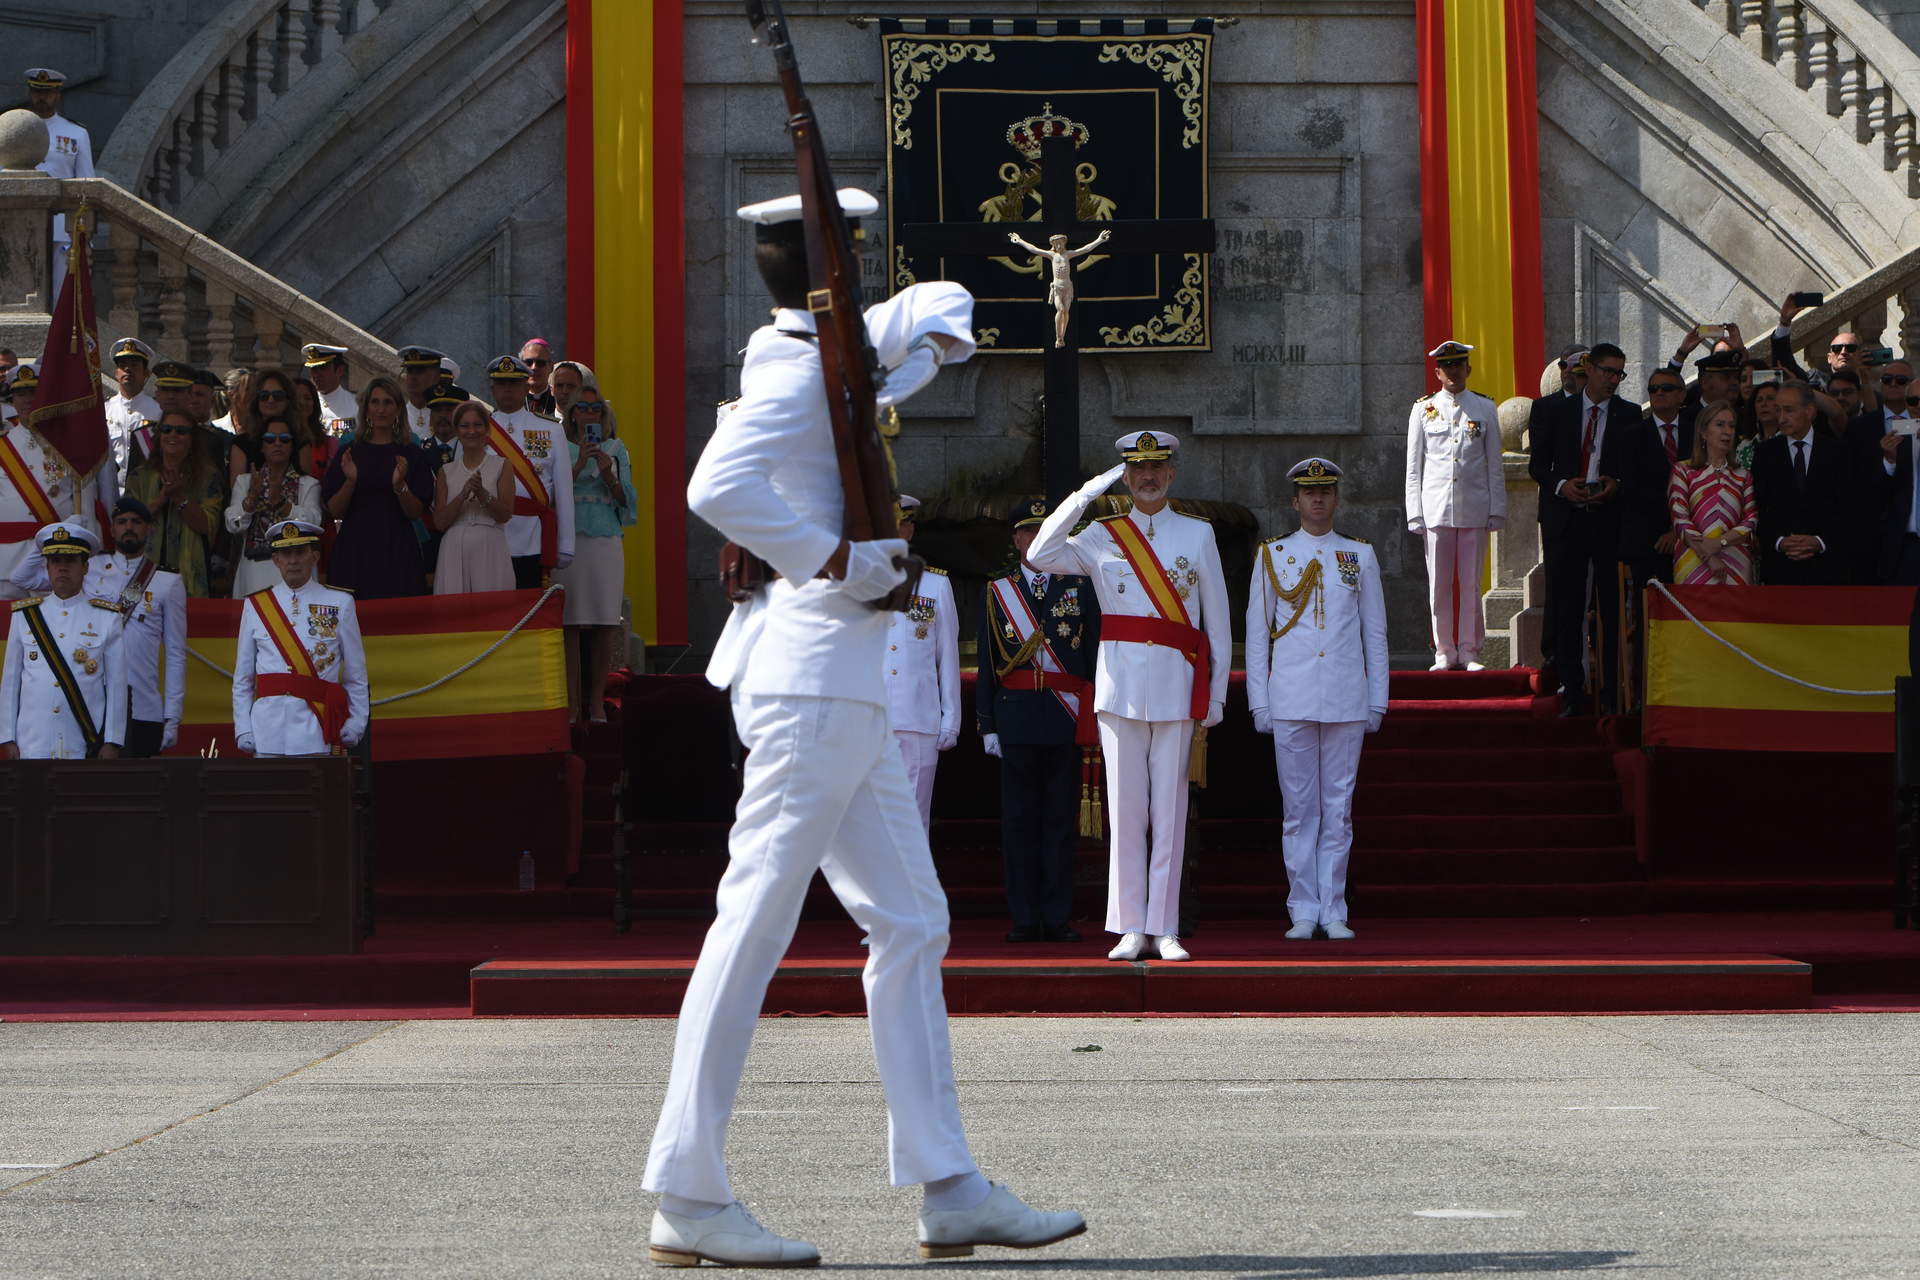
(1298, 595)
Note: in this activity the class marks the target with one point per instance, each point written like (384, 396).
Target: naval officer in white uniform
(326, 366)
(273, 701)
(35, 483)
(132, 406)
(1456, 496)
(63, 694)
(923, 674)
(824, 788)
(1166, 647)
(69, 155)
(540, 534)
(1317, 681)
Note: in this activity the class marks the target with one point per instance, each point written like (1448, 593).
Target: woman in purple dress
(377, 487)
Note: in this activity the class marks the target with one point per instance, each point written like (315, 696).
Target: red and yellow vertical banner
(626, 272)
(1480, 187)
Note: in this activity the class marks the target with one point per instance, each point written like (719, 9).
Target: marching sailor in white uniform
(824, 787)
(299, 670)
(63, 694)
(1317, 681)
(1456, 496)
(1166, 647)
(923, 674)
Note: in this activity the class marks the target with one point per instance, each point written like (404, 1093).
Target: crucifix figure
(1060, 292)
(1059, 222)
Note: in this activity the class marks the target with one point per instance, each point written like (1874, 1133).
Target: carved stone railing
(206, 99)
(187, 296)
(1847, 60)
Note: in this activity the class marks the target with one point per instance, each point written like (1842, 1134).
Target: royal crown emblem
(1146, 441)
(1316, 469)
(1025, 136)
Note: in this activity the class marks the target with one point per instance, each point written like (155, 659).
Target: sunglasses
(270, 395)
(277, 437)
(174, 430)
(1841, 348)
(589, 406)
(1658, 387)
(1894, 379)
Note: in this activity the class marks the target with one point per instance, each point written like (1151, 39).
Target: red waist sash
(1086, 731)
(1190, 642)
(331, 695)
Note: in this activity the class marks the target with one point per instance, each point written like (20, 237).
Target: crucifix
(1060, 426)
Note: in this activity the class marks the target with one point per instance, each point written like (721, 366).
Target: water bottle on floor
(526, 871)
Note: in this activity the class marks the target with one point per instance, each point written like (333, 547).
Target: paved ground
(1682, 1146)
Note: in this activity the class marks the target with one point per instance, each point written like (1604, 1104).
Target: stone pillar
(1514, 604)
(27, 200)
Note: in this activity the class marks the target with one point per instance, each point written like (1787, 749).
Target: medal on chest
(920, 613)
(539, 443)
(1185, 577)
(323, 620)
(1348, 564)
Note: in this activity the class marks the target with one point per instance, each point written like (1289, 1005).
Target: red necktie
(1673, 445)
(1586, 445)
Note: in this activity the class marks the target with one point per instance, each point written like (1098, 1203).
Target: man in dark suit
(1665, 438)
(1587, 478)
(1870, 438)
(1804, 488)
(1573, 380)
(1039, 633)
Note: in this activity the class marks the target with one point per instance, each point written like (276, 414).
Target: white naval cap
(45, 78)
(315, 354)
(854, 202)
(450, 367)
(1313, 472)
(421, 358)
(284, 535)
(1450, 350)
(1147, 446)
(64, 539)
(132, 349)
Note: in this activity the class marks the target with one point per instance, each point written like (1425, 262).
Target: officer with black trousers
(1039, 633)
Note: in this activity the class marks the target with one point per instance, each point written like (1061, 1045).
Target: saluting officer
(1034, 701)
(326, 366)
(132, 405)
(1166, 647)
(923, 674)
(299, 670)
(63, 694)
(540, 534)
(1317, 681)
(1456, 495)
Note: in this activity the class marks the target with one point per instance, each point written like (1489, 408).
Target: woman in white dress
(263, 496)
(472, 502)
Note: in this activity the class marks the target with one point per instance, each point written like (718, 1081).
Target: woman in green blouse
(182, 488)
(603, 505)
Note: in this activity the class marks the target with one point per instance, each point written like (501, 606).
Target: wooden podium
(182, 856)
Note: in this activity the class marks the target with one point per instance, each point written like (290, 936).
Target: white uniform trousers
(917, 750)
(823, 788)
(1146, 802)
(1317, 764)
(1454, 557)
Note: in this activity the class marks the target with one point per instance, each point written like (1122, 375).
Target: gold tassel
(1092, 803)
(1197, 757)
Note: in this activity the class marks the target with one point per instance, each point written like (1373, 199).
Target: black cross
(1060, 438)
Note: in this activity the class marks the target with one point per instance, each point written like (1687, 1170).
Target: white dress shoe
(1170, 948)
(1003, 1218)
(1131, 945)
(730, 1237)
(1439, 664)
(1302, 930)
(1337, 930)
(1473, 665)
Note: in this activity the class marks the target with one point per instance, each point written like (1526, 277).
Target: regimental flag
(627, 270)
(1700, 693)
(1480, 188)
(514, 702)
(70, 413)
(968, 103)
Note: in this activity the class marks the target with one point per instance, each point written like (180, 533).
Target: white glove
(1214, 712)
(871, 572)
(1104, 481)
(991, 741)
(347, 741)
(562, 559)
(1496, 523)
(913, 373)
(945, 741)
(1262, 720)
(1373, 720)
(1417, 527)
(245, 743)
(169, 734)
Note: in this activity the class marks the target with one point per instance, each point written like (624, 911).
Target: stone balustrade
(187, 296)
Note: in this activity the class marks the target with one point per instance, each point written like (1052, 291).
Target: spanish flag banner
(1708, 683)
(1480, 187)
(438, 692)
(626, 271)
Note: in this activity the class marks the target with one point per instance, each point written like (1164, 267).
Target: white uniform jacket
(34, 713)
(923, 661)
(155, 629)
(69, 155)
(769, 481)
(124, 417)
(19, 558)
(545, 445)
(326, 624)
(1331, 665)
(1140, 681)
(420, 422)
(1455, 474)
(338, 405)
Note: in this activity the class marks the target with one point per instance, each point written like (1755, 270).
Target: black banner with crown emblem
(968, 101)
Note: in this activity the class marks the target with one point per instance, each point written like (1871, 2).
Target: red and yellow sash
(326, 698)
(20, 475)
(1074, 694)
(536, 501)
(1172, 628)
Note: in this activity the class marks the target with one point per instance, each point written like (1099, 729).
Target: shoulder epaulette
(31, 602)
(112, 605)
(941, 572)
(334, 586)
(1110, 519)
(1195, 515)
(1423, 399)
(1276, 540)
(1362, 541)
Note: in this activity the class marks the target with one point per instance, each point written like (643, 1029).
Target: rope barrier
(1723, 641)
(457, 672)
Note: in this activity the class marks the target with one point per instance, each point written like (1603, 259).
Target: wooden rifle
(847, 360)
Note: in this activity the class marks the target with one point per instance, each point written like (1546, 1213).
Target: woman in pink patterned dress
(1712, 504)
